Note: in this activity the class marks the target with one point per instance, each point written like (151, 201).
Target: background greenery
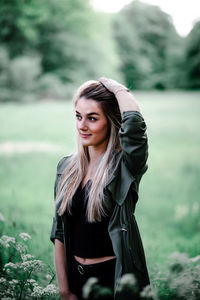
(47, 49)
(168, 212)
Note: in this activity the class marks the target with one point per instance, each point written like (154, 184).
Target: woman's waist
(95, 260)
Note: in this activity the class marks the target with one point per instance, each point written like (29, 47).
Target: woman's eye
(92, 119)
(78, 117)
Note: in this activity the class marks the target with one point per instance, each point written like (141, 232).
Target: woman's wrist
(121, 89)
(64, 293)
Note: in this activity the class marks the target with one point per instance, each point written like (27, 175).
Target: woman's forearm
(60, 265)
(126, 101)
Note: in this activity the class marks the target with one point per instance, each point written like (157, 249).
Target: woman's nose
(82, 124)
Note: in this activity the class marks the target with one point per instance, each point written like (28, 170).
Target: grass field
(168, 211)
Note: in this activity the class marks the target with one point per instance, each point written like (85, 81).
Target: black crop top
(89, 240)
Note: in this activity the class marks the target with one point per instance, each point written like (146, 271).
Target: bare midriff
(90, 261)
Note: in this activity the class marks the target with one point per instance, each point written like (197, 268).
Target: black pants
(104, 272)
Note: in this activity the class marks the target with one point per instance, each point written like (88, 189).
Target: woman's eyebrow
(92, 113)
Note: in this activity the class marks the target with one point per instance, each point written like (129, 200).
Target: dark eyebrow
(92, 113)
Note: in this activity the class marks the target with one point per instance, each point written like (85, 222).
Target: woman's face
(91, 123)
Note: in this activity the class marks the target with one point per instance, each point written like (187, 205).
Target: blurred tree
(19, 20)
(147, 44)
(18, 77)
(192, 57)
(63, 36)
(66, 35)
(71, 42)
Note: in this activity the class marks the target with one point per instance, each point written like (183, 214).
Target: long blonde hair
(78, 163)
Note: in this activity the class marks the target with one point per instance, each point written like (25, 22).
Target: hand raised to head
(112, 85)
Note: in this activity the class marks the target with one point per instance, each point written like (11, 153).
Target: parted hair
(77, 167)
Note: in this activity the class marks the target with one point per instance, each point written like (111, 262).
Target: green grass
(170, 185)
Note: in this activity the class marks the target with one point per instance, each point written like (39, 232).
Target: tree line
(49, 47)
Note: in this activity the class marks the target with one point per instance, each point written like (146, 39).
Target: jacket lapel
(120, 183)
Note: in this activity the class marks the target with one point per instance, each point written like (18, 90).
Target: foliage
(181, 283)
(21, 274)
(19, 277)
(192, 57)
(18, 77)
(183, 278)
(21, 80)
(19, 22)
(148, 46)
(168, 209)
(63, 35)
(49, 47)
(127, 290)
(187, 218)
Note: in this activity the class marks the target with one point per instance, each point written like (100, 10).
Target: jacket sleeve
(133, 140)
(57, 228)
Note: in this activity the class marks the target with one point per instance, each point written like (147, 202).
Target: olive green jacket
(120, 196)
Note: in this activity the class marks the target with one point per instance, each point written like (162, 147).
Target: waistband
(83, 269)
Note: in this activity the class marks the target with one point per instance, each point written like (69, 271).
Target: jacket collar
(120, 179)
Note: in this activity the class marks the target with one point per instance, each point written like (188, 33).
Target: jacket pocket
(135, 245)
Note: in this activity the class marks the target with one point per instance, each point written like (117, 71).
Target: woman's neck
(95, 154)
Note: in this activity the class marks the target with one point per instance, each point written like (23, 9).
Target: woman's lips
(84, 135)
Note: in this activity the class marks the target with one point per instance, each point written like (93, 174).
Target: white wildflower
(4, 244)
(148, 292)
(48, 277)
(26, 257)
(7, 240)
(195, 259)
(25, 236)
(14, 281)
(2, 280)
(179, 257)
(10, 265)
(183, 284)
(2, 219)
(181, 211)
(37, 291)
(32, 282)
(50, 290)
(87, 288)
(21, 248)
(127, 282)
(32, 264)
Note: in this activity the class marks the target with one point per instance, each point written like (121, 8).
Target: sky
(184, 12)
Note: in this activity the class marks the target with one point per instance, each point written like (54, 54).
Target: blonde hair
(78, 163)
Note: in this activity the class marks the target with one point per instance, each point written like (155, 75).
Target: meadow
(34, 136)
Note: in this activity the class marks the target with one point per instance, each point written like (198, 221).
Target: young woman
(96, 190)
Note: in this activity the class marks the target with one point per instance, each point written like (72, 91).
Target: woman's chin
(86, 143)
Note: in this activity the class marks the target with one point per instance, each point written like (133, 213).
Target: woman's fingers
(107, 83)
(112, 85)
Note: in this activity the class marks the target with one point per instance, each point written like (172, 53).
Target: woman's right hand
(60, 263)
(68, 296)
(112, 85)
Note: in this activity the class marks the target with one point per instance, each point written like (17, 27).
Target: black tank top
(89, 240)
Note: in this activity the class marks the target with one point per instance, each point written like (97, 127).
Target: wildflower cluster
(184, 276)
(127, 289)
(20, 272)
(182, 282)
